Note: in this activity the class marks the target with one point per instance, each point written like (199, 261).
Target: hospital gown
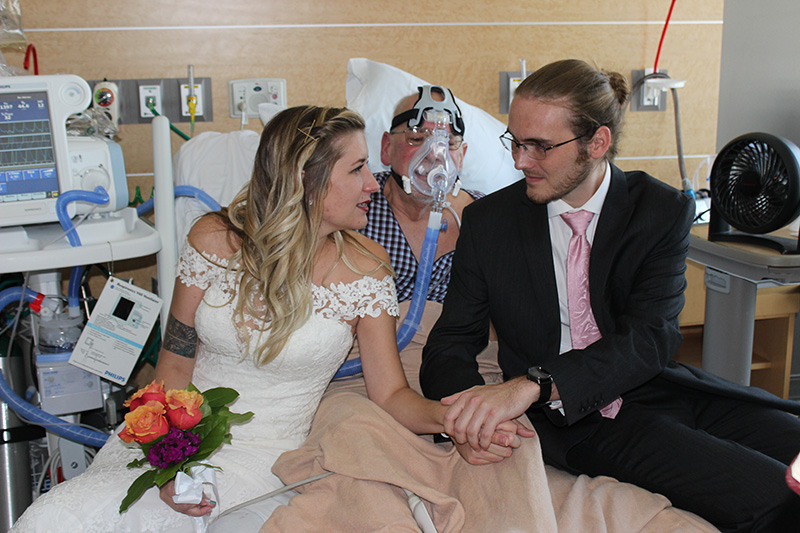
(283, 394)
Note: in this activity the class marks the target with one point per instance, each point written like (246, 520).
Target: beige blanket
(374, 458)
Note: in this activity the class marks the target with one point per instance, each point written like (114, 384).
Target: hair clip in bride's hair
(309, 138)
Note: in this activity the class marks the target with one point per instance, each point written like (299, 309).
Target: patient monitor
(38, 161)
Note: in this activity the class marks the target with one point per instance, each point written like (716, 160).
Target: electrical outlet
(198, 92)
(646, 97)
(148, 93)
(246, 95)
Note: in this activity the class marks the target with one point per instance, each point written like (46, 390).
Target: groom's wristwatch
(543, 378)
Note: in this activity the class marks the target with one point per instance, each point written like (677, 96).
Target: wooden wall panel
(463, 46)
(141, 13)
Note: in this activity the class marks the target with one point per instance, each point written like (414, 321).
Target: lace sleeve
(383, 297)
(195, 269)
(365, 296)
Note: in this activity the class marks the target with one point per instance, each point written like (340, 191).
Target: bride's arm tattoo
(179, 338)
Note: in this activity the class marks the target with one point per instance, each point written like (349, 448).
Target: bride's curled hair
(277, 217)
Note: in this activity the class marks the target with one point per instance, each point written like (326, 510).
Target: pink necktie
(582, 325)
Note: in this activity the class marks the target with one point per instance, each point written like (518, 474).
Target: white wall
(760, 70)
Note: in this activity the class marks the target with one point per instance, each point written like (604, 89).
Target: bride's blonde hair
(277, 217)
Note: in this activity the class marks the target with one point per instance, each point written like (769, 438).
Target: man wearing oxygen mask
(399, 215)
(580, 268)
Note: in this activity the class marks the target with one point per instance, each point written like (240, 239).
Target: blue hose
(411, 323)
(32, 413)
(186, 191)
(73, 291)
(421, 284)
(13, 294)
(48, 421)
(99, 196)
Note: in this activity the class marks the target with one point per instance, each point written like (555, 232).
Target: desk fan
(755, 188)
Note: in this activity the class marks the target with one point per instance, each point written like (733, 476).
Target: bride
(269, 295)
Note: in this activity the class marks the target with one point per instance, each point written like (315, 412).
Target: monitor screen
(27, 152)
(34, 157)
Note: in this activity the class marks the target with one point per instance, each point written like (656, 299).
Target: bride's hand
(192, 509)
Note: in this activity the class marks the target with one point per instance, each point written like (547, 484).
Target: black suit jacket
(503, 273)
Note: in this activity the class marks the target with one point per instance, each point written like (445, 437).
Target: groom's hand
(474, 415)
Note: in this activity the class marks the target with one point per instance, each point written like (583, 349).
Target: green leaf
(205, 410)
(137, 488)
(220, 396)
(162, 476)
(138, 463)
(191, 464)
(239, 418)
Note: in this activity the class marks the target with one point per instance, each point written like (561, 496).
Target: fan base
(782, 245)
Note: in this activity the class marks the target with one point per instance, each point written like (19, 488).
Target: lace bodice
(285, 391)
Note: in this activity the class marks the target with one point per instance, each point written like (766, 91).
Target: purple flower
(176, 446)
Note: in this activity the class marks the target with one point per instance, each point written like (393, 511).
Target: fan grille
(751, 185)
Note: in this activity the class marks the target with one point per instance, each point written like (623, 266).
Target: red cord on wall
(663, 33)
(31, 50)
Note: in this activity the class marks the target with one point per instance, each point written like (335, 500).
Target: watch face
(537, 373)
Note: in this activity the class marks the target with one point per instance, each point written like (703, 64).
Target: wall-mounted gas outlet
(198, 93)
(150, 97)
(168, 96)
(105, 96)
(509, 81)
(646, 97)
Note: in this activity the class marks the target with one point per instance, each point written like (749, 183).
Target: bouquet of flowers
(176, 430)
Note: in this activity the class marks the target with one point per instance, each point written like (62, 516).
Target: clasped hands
(482, 423)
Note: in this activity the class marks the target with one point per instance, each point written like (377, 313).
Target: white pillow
(220, 164)
(374, 89)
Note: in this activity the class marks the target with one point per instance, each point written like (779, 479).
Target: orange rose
(183, 408)
(153, 392)
(145, 423)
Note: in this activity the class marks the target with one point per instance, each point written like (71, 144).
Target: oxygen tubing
(186, 191)
(421, 283)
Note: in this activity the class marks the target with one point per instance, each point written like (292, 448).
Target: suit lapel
(614, 218)
(537, 250)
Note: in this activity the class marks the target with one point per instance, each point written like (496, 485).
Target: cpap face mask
(432, 171)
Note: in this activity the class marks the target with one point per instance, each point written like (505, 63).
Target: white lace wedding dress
(283, 394)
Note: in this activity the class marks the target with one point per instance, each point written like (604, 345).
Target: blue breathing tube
(99, 197)
(48, 421)
(185, 191)
(35, 414)
(421, 283)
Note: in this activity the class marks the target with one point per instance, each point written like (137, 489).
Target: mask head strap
(415, 116)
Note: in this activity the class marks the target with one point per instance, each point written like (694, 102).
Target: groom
(586, 314)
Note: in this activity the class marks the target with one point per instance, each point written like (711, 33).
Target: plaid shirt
(384, 229)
